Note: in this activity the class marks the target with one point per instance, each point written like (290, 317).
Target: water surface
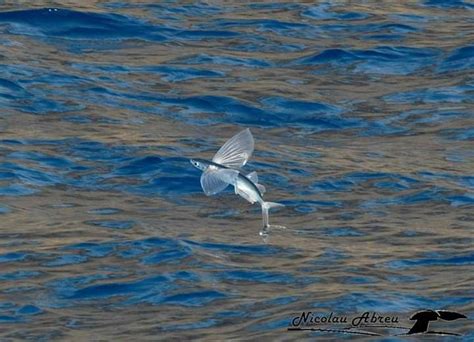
(363, 120)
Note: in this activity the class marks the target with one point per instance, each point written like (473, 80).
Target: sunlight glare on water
(363, 122)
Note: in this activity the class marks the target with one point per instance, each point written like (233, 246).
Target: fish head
(200, 164)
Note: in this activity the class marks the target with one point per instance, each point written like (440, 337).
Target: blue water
(363, 119)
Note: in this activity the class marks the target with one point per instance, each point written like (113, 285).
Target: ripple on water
(13, 256)
(205, 59)
(455, 94)
(19, 275)
(116, 289)
(258, 250)
(45, 160)
(443, 4)
(157, 290)
(342, 232)
(167, 73)
(319, 116)
(96, 250)
(323, 12)
(435, 194)
(263, 24)
(460, 59)
(29, 310)
(171, 256)
(376, 302)
(82, 28)
(255, 276)
(113, 224)
(24, 95)
(198, 298)
(64, 260)
(77, 25)
(30, 175)
(202, 324)
(383, 59)
(104, 211)
(430, 260)
(120, 169)
(462, 200)
(351, 181)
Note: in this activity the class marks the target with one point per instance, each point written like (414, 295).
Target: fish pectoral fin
(236, 151)
(214, 181)
(227, 175)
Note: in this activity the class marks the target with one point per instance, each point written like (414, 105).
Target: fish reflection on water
(364, 119)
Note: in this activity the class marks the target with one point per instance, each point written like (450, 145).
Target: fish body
(242, 184)
(247, 189)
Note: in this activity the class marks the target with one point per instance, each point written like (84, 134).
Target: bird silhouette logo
(423, 319)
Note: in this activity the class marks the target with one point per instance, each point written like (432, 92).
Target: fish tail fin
(269, 205)
(265, 207)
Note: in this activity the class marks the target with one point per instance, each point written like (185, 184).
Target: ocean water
(363, 120)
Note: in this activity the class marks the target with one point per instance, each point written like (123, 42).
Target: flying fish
(225, 169)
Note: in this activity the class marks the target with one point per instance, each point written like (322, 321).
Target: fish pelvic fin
(260, 188)
(252, 176)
